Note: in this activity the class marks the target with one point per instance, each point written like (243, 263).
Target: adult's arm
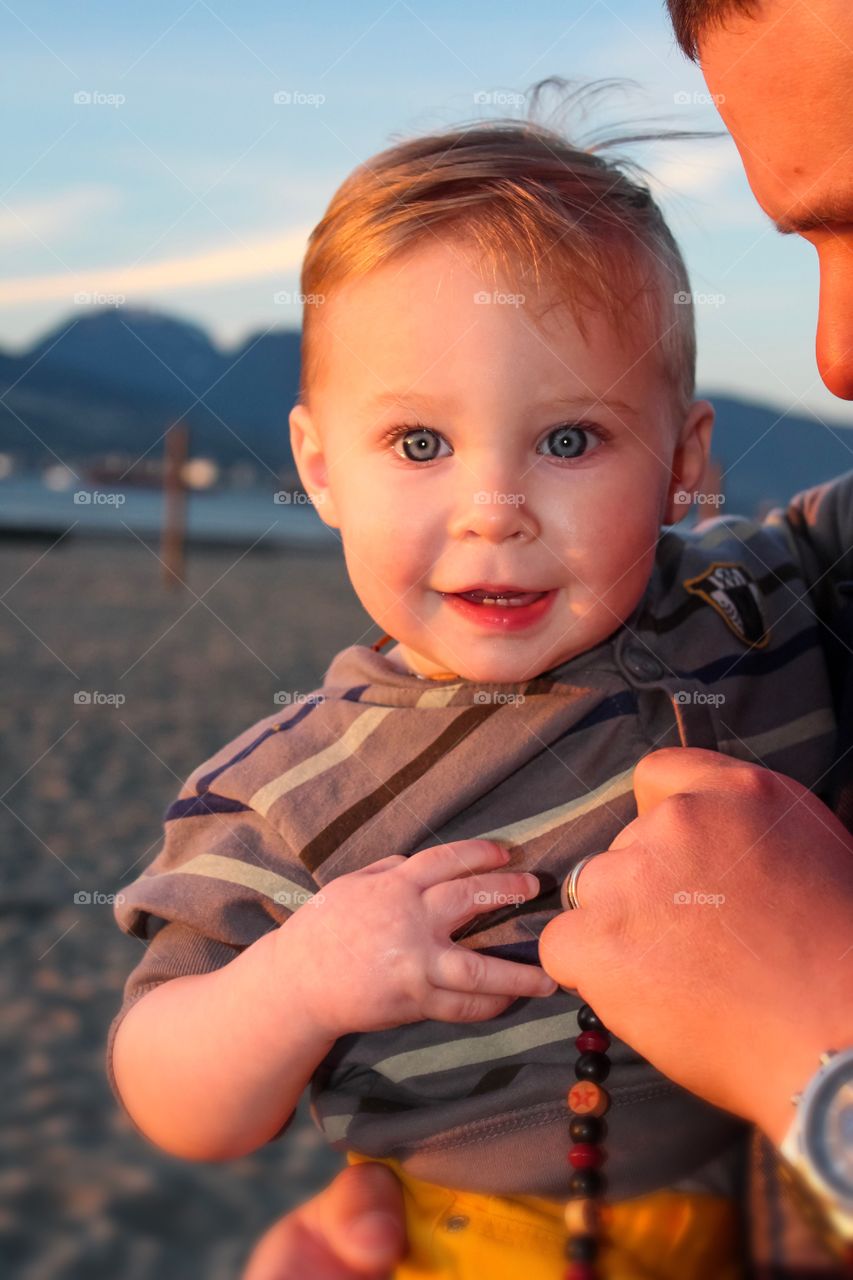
(715, 935)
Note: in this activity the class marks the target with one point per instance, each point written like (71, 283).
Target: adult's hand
(716, 933)
(354, 1229)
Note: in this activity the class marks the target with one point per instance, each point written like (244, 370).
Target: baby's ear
(307, 447)
(689, 460)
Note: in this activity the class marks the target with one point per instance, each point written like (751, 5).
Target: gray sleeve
(818, 526)
(174, 950)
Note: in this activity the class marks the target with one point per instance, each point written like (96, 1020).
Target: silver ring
(569, 891)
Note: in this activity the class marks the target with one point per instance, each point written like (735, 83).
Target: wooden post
(174, 504)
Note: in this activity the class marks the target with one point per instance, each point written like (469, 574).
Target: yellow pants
(462, 1235)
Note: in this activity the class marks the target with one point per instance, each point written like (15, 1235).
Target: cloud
(704, 189)
(704, 169)
(56, 215)
(266, 255)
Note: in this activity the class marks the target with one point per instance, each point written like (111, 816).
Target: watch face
(829, 1133)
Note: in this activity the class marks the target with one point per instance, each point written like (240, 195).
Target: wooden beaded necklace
(588, 1103)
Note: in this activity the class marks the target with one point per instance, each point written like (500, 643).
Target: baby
(497, 414)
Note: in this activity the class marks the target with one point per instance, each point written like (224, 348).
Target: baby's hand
(375, 949)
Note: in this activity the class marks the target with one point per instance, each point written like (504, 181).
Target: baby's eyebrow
(408, 400)
(587, 404)
(426, 404)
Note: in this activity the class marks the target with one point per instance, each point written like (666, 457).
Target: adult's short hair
(692, 18)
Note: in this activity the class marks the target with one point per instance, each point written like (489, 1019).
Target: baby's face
(457, 442)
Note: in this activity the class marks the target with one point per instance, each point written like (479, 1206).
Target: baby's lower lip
(508, 617)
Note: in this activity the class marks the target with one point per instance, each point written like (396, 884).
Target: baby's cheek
(369, 553)
(625, 554)
(608, 592)
(399, 561)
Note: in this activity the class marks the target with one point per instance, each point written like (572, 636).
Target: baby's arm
(210, 1066)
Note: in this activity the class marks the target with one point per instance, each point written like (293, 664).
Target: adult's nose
(834, 344)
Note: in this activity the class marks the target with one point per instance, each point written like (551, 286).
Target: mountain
(112, 380)
(766, 455)
(131, 349)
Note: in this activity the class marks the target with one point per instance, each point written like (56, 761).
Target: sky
(176, 156)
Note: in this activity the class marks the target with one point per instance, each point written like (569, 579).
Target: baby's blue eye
(571, 441)
(419, 443)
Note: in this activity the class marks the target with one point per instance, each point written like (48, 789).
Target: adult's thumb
(364, 1213)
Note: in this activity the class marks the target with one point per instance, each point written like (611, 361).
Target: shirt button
(456, 1222)
(641, 664)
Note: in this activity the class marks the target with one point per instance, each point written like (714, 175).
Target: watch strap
(815, 1214)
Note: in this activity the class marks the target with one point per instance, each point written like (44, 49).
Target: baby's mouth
(501, 607)
(513, 599)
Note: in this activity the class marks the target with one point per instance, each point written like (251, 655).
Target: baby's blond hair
(536, 208)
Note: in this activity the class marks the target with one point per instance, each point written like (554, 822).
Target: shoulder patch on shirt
(731, 589)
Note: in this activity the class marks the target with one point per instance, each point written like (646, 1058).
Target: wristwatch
(818, 1146)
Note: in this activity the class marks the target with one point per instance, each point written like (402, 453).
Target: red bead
(592, 1042)
(583, 1155)
(580, 1271)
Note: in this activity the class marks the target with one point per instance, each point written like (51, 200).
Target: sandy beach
(86, 783)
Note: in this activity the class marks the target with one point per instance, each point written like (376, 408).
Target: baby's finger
(444, 861)
(385, 864)
(462, 1006)
(468, 972)
(454, 902)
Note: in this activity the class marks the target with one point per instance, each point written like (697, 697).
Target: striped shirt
(722, 652)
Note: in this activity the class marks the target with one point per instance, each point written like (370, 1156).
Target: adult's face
(783, 81)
